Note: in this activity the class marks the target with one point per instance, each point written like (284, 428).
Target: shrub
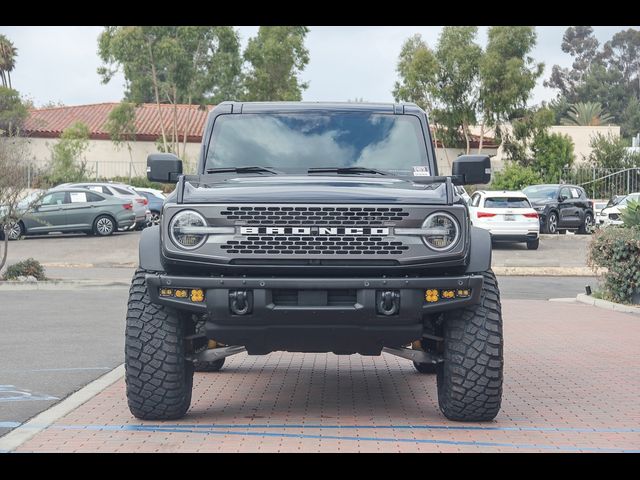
(618, 250)
(631, 214)
(515, 177)
(28, 267)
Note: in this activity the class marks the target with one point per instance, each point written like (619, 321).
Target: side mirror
(471, 169)
(163, 167)
(562, 198)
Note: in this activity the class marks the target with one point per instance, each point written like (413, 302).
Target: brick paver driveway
(571, 384)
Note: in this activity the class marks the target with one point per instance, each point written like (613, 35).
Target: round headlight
(443, 231)
(179, 228)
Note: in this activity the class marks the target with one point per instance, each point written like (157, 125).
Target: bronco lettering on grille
(314, 231)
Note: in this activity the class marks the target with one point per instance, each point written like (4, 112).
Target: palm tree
(8, 55)
(586, 114)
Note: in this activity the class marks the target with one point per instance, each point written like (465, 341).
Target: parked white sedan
(508, 216)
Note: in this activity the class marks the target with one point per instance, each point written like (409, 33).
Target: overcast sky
(59, 63)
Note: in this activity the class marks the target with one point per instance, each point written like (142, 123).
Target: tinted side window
(92, 197)
(122, 191)
(56, 198)
(564, 192)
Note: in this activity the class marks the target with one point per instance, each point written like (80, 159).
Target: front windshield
(296, 142)
(541, 192)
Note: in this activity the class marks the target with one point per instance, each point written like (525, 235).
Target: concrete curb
(27, 430)
(89, 265)
(616, 307)
(543, 271)
(13, 286)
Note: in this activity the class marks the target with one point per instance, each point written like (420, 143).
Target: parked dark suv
(315, 227)
(561, 208)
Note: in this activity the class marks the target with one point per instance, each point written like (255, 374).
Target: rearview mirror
(472, 169)
(163, 167)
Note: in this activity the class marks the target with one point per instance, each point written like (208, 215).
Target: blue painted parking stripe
(396, 427)
(9, 424)
(143, 428)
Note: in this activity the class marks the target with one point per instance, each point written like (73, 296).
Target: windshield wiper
(249, 169)
(346, 170)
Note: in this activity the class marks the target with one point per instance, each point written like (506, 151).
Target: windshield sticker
(420, 171)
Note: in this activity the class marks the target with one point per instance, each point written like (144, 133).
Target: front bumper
(311, 322)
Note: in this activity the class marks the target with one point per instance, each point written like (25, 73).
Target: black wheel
(533, 244)
(425, 367)
(587, 226)
(551, 223)
(158, 376)
(104, 225)
(206, 366)
(470, 378)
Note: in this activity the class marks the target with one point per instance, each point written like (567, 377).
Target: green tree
(276, 56)
(170, 64)
(508, 74)
(456, 88)
(609, 151)
(609, 76)
(13, 112)
(8, 54)
(67, 164)
(582, 45)
(121, 126)
(586, 114)
(417, 68)
(529, 125)
(623, 52)
(515, 177)
(552, 153)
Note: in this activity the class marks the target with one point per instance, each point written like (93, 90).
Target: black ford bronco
(315, 227)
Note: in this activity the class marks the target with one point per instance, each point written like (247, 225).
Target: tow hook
(389, 302)
(239, 302)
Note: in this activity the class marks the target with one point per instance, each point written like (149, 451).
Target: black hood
(540, 202)
(312, 189)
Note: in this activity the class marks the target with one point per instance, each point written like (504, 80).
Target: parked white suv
(508, 216)
(611, 215)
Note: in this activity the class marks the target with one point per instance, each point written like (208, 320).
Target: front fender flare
(480, 251)
(150, 257)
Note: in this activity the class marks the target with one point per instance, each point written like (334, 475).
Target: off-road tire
(470, 378)
(533, 244)
(159, 378)
(214, 366)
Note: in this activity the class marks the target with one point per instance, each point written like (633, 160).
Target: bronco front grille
(336, 216)
(313, 245)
